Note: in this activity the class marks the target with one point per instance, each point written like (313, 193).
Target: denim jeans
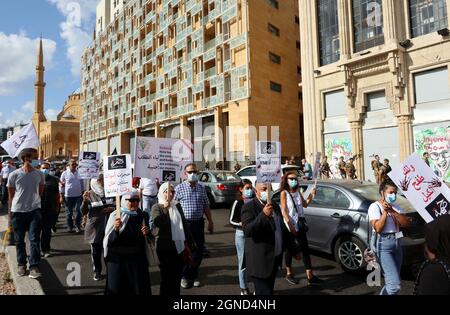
(31, 222)
(147, 204)
(240, 249)
(390, 255)
(197, 229)
(73, 203)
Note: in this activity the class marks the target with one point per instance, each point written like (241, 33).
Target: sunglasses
(192, 172)
(134, 200)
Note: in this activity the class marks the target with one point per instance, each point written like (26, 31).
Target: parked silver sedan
(338, 222)
(221, 186)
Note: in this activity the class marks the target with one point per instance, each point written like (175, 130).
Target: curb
(24, 285)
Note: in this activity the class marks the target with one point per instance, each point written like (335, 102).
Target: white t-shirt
(375, 212)
(295, 210)
(149, 186)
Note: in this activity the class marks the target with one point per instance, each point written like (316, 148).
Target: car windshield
(370, 192)
(225, 177)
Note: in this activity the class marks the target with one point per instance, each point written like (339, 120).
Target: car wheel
(349, 252)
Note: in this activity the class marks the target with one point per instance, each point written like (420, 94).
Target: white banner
(118, 178)
(268, 162)
(317, 165)
(162, 158)
(424, 189)
(25, 139)
(89, 165)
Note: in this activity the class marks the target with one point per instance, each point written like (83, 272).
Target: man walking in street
(266, 239)
(194, 201)
(7, 169)
(50, 208)
(25, 187)
(307, 169)
(350, 169)
(377, 171)
(341, 167)
(72, 187)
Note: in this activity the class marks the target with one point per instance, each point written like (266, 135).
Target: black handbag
(301, 224)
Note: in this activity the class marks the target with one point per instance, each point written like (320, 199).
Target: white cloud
(14, 117)
(18, 57)
(51, 114)
(77, 29)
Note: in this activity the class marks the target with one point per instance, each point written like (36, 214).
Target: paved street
(218, 272)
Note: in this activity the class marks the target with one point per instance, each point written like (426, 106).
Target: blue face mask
(293, 183)
(391, 198)
(35, 163)
(45, 172)
(192, 178)
(264, 196)
(130, 213)
(248, 193)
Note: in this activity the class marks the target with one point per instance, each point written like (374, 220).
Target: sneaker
(292, 280)
(197, 283)
(35, 273)
(21, 271)
(314, 280)
(77, 230)
(245, 292)
(185, 284)
(54, 230)
(46, 254)
(98, 277)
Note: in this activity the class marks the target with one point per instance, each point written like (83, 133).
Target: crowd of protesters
(169, 222)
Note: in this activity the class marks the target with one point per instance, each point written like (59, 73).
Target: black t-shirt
(433, 280)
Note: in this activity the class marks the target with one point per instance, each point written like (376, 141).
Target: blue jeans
(31, 222)
(71, 204)
(390, 255)
(147, 204)
(240, 249)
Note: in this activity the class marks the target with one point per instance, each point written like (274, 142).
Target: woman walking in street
(172, 238)
(386, 218)
(97, 208)
(124, 248)
(292, 205)
(246, 194)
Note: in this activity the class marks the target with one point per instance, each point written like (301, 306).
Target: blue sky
(66, 27)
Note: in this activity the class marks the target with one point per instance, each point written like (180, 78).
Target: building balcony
(210, 72)
(210, 45)
(161, 116)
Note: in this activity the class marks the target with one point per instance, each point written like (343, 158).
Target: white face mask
(264, 196)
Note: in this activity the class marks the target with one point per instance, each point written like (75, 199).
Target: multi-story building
(160, 65)
(376, 80)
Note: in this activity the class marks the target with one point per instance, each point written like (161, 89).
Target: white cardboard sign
(89, 165)
(162, 158)
(422, 187)
(117, 175)
(268, 162)
(316, 173)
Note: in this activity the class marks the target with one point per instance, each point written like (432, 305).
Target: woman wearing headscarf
(434, 275)
(96, 207)
(171, 232)
(124, 247)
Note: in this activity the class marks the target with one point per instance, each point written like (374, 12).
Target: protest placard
(316, 173)
(422, 187)
(117, 175)
(89, 165)
(160, 158)
(268, 162)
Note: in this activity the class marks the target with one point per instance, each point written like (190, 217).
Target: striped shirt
(193, 200)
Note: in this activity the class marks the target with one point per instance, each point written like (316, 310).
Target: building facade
(376, 80)
(59, 139)
(162, 66)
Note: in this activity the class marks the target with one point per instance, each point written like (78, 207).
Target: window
(431, 86)
(328, 31)
(274, 30)
(367, 24)
(273, 3)
(376, 101)
(274, 58)
(276, 87)
(427, 16)
(250, 171)
(328, 197)
(335, 104)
